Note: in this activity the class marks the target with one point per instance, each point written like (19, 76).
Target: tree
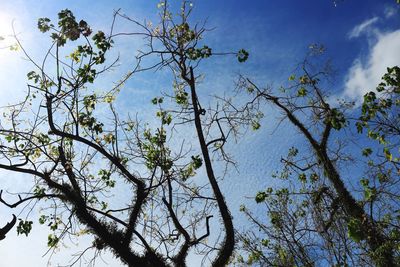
(7, 228)
(77, 158)
(318, 218)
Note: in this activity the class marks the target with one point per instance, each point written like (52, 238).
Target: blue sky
(361, 37)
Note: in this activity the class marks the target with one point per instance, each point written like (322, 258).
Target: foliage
(318, 218)
(81, 160)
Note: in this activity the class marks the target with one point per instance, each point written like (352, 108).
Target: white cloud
(363, 27)
(364, 77)
(390, 12)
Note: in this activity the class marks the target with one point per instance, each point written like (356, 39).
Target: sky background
(361, 37)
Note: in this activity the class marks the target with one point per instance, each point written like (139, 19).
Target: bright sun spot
(5, 24)
(5, 32)
(7, 41)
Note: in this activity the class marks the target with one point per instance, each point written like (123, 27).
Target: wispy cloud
(390, 12)
(368, 68)
(362, 27)
(365, 76)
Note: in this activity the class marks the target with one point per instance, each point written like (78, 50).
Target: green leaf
(33, 76)
(304, 79)
(197, 162)
(255, 125)
(382, 177)
(261, 196)
(52, 240)
(157, 100)
(9, 138)
(314, 177)
(265, 242)
(302, 92)
(14, 47)
(364, 182)
(109, 98)
(354, 230)
(39, 191)
(44, 24)
(242, 55)
(42, 219)
(101, 41)
(302, 178)
(109, 138)
(24, 227)
(367, 152)
(387, 154)
(336, 119)
(370, 193)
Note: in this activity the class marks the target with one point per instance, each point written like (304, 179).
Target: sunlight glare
(6, 21)
(5, 32)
